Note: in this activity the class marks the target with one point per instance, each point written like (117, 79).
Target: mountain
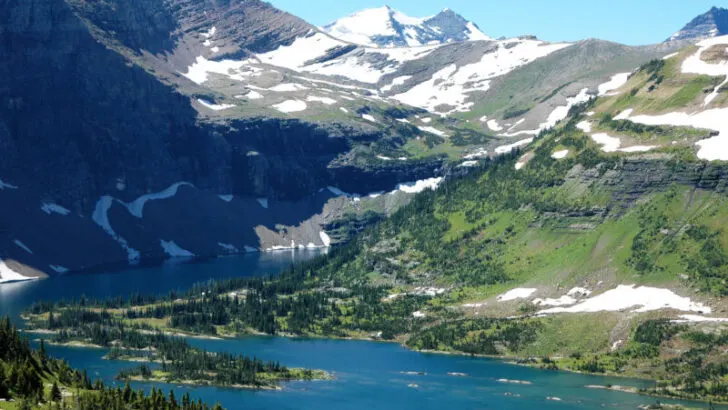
(598, 245)
(711, 24)
(386, 27)
(194, 128)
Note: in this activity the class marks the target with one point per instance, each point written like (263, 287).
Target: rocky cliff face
(86, 134)
(714, 23)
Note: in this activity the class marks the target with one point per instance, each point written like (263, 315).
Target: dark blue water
(368, 375)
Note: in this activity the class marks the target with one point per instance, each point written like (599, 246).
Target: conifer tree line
(33, 379)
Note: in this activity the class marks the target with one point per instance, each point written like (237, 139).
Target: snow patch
(54, 209)
(263, 202)
(584, 126)
(9, 275)
(228, 247)
(213, 106)
(433, 130)
(565, 300)
(173, 250)
(561, 112)
(560, 154)
(624, 114)
(617, 81)
(636, 299)
(419, 186)
(494, 126)
(609, 144)
(479, 153)
(5, 185)
(101, 218)
(517, 293)
(323, 100)
(504, 149)
(468, 164)
(579, 292)
(288, 87)
(209, 33)
(325, 239)
(452, 85)
(396, 82)
(58, 268)
(22, 246)
(200, 70)
(226, 198)
(369, 117)
(711, 149)
(703, 319)
(289, 106)
(253, 95)
(136, 208)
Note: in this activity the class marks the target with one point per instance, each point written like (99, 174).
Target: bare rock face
(714, 23)
(86, 133)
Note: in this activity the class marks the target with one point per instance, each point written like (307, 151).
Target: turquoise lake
(369, 375)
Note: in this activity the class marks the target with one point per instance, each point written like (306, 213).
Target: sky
(631, 22)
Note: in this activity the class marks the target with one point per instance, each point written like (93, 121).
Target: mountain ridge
(712, 23)
(387, 27)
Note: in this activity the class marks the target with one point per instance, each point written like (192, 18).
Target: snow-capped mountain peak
(713, 23)
(386, 27)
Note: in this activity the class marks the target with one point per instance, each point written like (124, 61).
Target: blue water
(368, 374)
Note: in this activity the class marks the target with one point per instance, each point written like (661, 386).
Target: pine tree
(4, 388)
(55, 393)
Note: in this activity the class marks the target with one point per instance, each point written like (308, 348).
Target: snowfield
(624, 114)
(228, 247)
(617, 81)
(253, 95)
(9, 275)
(494, 126)
(173, 250)
(365, 26)
(451, 86)
(433, 130)
(5, 185)
(695, 65)
(561, 112)
(101, 214)
(213, 106)
(396, 82)
(322, 100)
(635, 299)
(560, 154)
(22, 246)
(325, 239)
(517, 293)
(584, 126)
(58, 268)
(54, 209)
(201, 69)
(288, 88)
(136, 208)
(369, 117)
(504, 149)
(290, 106)
(609, 144)
(419, 186)
(711, 149)
(360, 27)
